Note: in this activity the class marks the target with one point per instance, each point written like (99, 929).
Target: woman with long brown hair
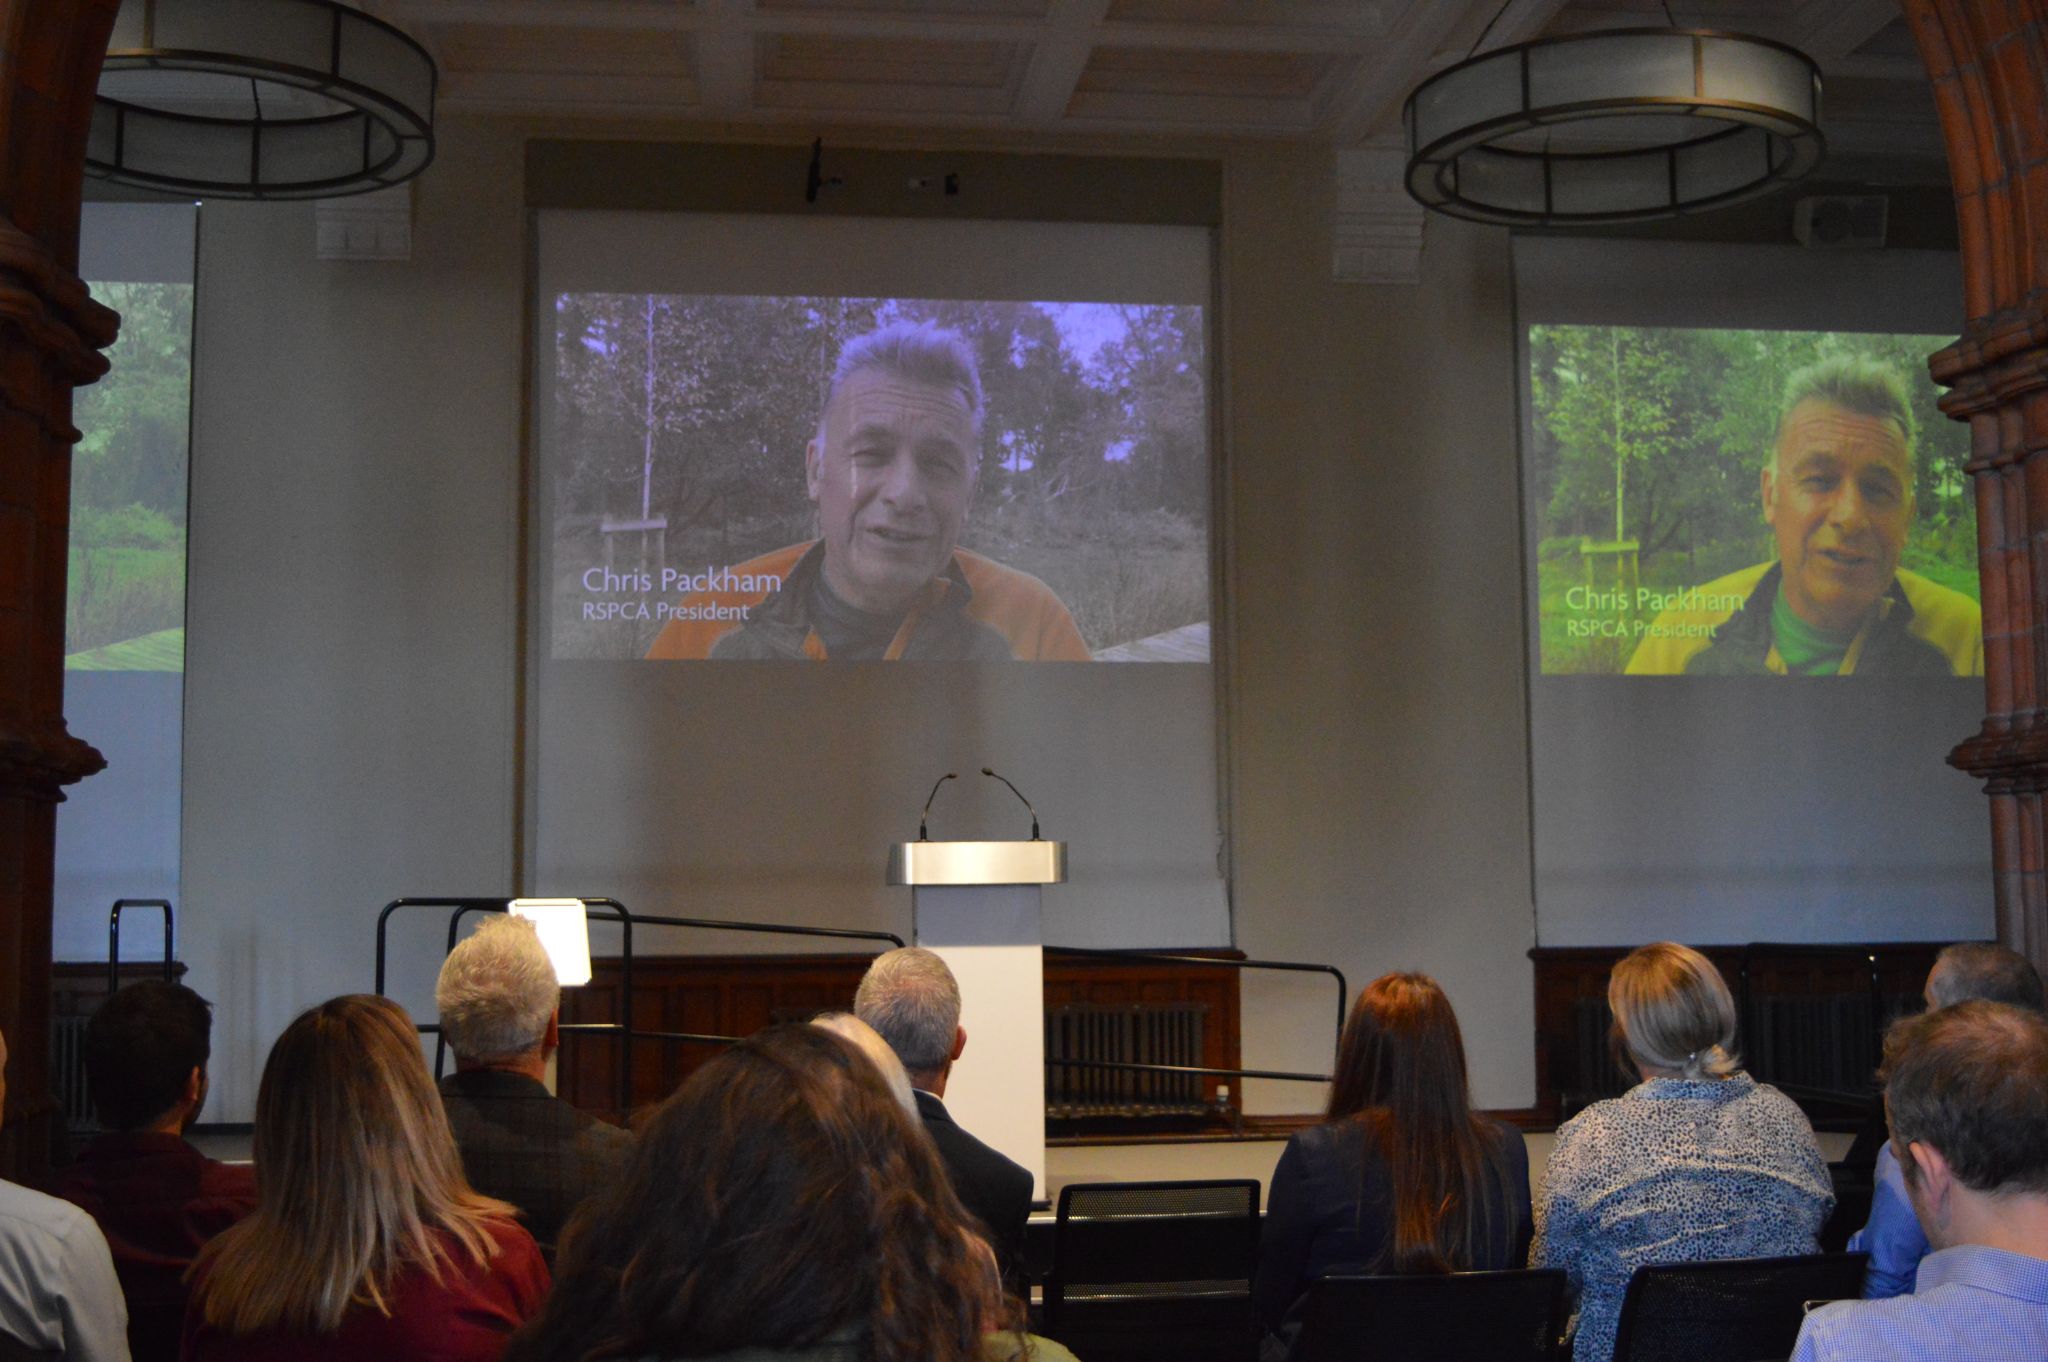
(366, 1241)
(780, 1205)
(1402, 1176)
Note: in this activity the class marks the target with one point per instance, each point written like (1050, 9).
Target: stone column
(1989, 63)
(51, 334)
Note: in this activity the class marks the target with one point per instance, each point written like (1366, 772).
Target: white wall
(351, 650)
(1380, 747)
(354, 653)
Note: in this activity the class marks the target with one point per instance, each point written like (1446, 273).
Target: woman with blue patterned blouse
(1698, 1161)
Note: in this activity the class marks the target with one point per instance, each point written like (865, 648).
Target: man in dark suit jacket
(913, 1002)
(499, 1002)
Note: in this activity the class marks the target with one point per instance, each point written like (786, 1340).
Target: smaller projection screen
(124, 629)
(807, 491)
(1754, 625)
(1722, 502)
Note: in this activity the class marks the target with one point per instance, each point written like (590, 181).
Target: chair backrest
(1143, 1270)
(1127, 1234)
(1498, 1316)
(1737, 1310)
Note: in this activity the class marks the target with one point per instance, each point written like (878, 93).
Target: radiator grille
(1125, 1033)
(1823, 1041)
(67, 1074)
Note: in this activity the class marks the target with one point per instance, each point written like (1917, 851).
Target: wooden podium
(976, 906)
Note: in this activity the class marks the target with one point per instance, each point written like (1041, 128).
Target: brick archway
(1989, 63)
(51, 335)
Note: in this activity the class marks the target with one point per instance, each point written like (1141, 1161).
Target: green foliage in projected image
(1657, 438)
(125, 605)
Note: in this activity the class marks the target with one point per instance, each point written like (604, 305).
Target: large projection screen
(712, 512)
(1680, 788)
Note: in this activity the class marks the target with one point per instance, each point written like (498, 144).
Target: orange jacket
(1016, 605)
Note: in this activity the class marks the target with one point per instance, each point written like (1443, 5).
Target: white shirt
(58, 1292)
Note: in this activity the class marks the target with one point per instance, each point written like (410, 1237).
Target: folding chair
(1154, 1270)
(1498, 1316)
(1736, 1310)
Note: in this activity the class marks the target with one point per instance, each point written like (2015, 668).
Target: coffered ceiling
(1333, 71)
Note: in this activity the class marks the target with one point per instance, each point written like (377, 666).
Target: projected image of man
(891, 472)
(1838, 496)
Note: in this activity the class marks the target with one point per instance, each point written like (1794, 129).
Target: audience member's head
(1966, 1095)
(145, 1057)
(359, 1171)
(497, 993)
(1673, 1013)
(1401, 1047)
(780, 1197)
(911, 999)
(1401, 1071)
(1979, 971)
(864, 1037)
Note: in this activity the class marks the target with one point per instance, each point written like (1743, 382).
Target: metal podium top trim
(932, 863)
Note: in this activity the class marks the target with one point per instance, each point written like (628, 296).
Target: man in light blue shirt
(1966, 1095)
(1962, 972)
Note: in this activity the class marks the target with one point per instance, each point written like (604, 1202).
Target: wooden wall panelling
(736, 995)
(1809, 1016)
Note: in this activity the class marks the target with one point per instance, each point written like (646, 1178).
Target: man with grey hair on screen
(1969, 971)
(891, 471)
(1837, 489)
(912, 1001)
(499, 1002)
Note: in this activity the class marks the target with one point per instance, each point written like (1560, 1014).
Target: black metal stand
(114, 940)
(460, 908)
(627, 920)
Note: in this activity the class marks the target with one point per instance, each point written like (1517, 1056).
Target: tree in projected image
(125, 606)
(1644, 461)
(694, 412)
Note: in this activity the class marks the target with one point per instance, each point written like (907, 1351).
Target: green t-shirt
(1805, 650)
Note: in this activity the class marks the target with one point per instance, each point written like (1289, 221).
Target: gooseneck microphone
(921, 818)
(1020, 799)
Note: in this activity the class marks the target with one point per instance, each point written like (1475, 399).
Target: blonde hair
(497, 990)
(870, 1043)
(357, 1171)
(1674, 1011)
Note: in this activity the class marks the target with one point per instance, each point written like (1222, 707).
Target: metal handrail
(1132, 1066)
(775, 928)
(1168, 957)
(463, 906)
(114, 940)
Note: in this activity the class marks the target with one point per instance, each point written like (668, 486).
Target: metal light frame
(1758, 101)
(385, 82)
